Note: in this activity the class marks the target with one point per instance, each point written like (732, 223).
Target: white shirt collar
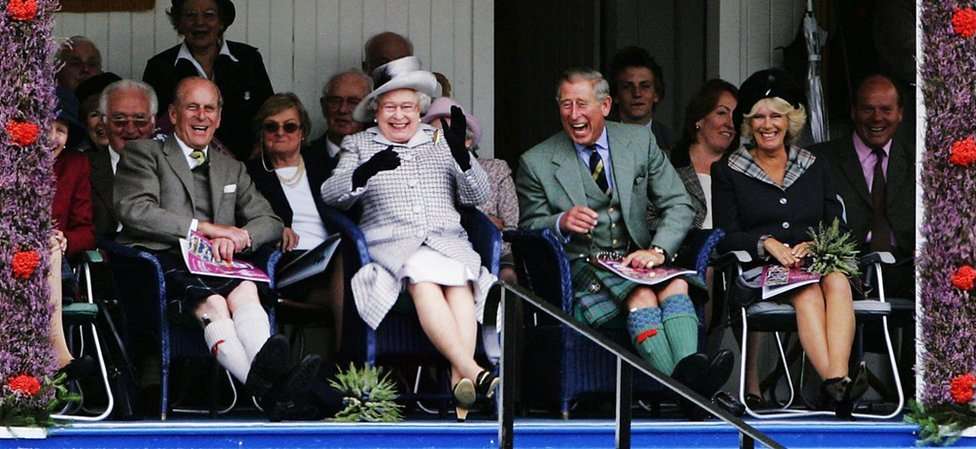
(113, 157)
(185, 54)
(190, 162)
(332, 148)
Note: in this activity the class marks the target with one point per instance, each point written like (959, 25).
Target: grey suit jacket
(848, 179)
(102, 179)
(549, 184)
(154, 196)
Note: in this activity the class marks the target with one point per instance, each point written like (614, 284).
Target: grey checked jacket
(402, 209)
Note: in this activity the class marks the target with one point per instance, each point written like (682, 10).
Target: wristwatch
(661, 251)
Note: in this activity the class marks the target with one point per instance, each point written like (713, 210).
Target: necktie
(597, 171)
(880, 228)
(199, 156)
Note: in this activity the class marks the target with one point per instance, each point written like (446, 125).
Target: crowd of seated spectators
(136, 160)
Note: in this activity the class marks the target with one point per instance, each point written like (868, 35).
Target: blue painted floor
(529, 433)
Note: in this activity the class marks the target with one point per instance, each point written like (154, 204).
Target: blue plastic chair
(141, 287)
(584, 368)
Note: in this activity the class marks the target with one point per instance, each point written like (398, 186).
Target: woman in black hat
(766, 196)
(236, 68)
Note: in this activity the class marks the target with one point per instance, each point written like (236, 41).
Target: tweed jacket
(102, 180)
(848, 178)
(694, 188)
(154, 196)
(549, 183)
(415, 204)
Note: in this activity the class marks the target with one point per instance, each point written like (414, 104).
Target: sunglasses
(272, 127)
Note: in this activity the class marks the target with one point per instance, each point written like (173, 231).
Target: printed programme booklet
(646, 276)
(776, 279)
(199, 256)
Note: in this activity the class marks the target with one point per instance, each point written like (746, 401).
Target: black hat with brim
(768, 83)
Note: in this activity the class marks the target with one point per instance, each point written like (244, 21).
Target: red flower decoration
(22, 10)
(963, 151)
(23, 133)
(24, 263)
(964, 277)
(964, 22)
(961, 388)
(24, 383)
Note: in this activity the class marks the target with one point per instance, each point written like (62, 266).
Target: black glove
(455, 135)
(381, 161)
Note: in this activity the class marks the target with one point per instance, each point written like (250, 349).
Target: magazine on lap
(199, 256)
(646, 276)
(777, 279)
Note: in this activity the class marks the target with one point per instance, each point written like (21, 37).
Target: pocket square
(230, 188)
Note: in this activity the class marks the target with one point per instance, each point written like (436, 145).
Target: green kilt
(600, 293)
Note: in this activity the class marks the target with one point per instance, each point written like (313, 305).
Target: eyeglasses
(272, 127)
(335, 102)
(122, 121)
(78, 63)
(407, 108)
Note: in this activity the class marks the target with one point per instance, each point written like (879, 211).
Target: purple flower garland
(26, 192)
(948, 317)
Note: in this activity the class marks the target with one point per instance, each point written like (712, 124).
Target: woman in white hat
(409, 180)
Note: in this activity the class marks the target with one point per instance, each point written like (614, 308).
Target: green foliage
(368, 394)
(942, 424)
(16, 410)
(833, 251)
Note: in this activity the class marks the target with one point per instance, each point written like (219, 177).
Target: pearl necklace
(292, 180)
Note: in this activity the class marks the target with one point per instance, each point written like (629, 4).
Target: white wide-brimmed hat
(403, 73)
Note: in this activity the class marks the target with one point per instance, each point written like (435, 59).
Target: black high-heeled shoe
(485, 383)
(465, 396)
(80, 368)
(833, 393)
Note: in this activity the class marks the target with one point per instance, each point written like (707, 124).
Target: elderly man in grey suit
(164, 190)
(129, 113)
(592, 184)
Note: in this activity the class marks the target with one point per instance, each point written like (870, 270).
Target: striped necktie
(597, 171)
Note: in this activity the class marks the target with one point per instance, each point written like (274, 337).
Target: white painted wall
(743, 35)
(303, 42)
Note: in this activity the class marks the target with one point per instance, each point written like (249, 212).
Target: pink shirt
(868, 159)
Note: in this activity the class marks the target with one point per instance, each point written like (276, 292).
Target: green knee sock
(646, 333)
(680, 325)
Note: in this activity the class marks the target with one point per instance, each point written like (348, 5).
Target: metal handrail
(626, 362)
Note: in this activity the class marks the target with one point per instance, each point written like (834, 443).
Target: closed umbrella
(815, 38)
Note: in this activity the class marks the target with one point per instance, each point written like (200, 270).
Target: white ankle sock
(223, 342)
(253, 328)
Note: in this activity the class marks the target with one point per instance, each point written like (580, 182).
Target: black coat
(244, 85)
(318, 167)
(747, 208)
(848, 177)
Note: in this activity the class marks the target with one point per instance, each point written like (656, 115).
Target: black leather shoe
(80, 368)
(287, 400)
(719, 370)
(691, 370)
(269, 365)
(728, 402)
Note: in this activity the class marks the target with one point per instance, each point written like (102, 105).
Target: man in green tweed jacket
(591, 185)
